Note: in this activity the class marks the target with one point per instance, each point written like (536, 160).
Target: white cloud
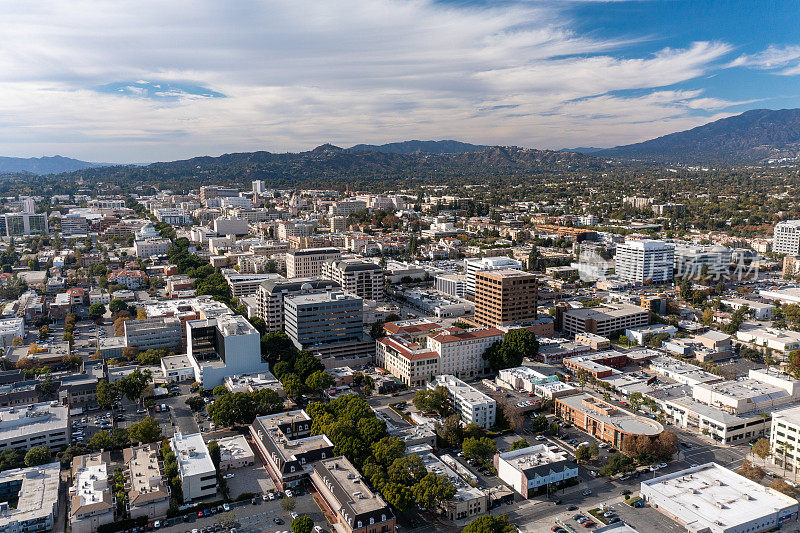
(296, 74)
(773, 57)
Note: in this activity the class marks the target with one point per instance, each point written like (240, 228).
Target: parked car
(226, 506)
(295, 516)
(587, 492)
(277, 521)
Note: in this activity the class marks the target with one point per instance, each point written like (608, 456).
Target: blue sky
(146, 80)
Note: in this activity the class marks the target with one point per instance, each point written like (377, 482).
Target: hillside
(752, 137)
(428, 147)
(42, 165)
(331, 166)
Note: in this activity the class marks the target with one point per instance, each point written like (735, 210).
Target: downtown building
(362, 278)
(637, 261)
(786, 238)
(309, 261)
(487, 263)
(473, 405)
(504, 297)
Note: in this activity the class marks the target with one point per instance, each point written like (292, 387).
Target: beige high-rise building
(505, 297)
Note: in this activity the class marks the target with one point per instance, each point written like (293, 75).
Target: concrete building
(40, 424)
(20, 224)
(640, 260)
(692, 260)
(235, 453)
(604, 320)
(309, 262)
(148, 493)
(406, 359)
(505, 297)
(91, 500)
(488, 263)
(451, 284)
(784, 439)
(254, 382)
(786, 237)
(74, 224)
(473, 405)
(153, 333)
(151, 247)
(223, 346)
(603, 420)
(195, 467)
(757, 310)
(461, 352)
(175, 368)
(271, 295)
(331, 326)
(11, 328)
(347, 498)
(710, 498)
(247, 284)
(35, 490)
(530, 380)
(286, 446)
(361, 278)
(533, 470)
(231, 226)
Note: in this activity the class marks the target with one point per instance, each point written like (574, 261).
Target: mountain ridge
(56, 164)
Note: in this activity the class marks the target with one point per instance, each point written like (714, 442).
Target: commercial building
(231, 226)
(710, 498)
(784, 439)
(329, 325)
(361, 278)
(40, 424)
(286, 446)
(20, 224)
(525, 378)
(451, 284)
(35, 490)
(153, 333)
(247, 284)
(271, 295)
(692, 261)
(603, 420)
(533, 470)
(151, 247)
(223, 346)
(461, 352)
(347, 498)
(604, 320)
(73, 224)
(235, 453)
(176, 368)
(786, 237)
(473, 405)
(406, 359)
(505, 297)
(90, 497)
(148, 493)
(488, 263)
(11, 328)
(758, 310)
(195, 467)
(308, 262)
(254, 382)
(782, 340)
(640, 260)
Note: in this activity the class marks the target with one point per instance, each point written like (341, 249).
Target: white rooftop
(192, 454)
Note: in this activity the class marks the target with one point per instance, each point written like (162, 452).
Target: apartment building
(347, 498)
(535, 469)
(36, 491)
(505, 297)
(309, 262)
(640, 260)
(487, 263)
(786, 237)
(40, 424)
(461, 352)
(10, 329)
(231, 226)
(153, 333)
(90, 497)
(287, 448)
(406, 359)
(148, 493)
(195, 467)
(223, 346)
(156, 246)
(329, 325)
(473, 405)
(362, 278)
(604, 320)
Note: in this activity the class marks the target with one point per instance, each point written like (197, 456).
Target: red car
(587, 523)
(199, 514)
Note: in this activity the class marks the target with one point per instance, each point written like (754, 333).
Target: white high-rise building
(787, 237)
(487, 263)
(258, 186)
(640, 260)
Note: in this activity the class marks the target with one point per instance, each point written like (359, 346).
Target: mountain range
(752, 137)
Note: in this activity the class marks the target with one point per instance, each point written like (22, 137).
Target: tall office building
(271, 295)
(258, 186)
(18, 224)
(329, 325)
(309, 261)
(787, 237)
(487, 263)
(362, 278)
(640, 260)
(505, 297)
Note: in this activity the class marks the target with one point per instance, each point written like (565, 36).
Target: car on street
(288, 493)
(226, 506)
(277, 521)
(587, 492)
(294, 516)
(539, 437)
(625, 492)
(572, 508)
(662, 465)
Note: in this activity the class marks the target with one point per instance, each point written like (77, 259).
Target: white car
(295, 516)
(539, 437)
(602, 445)
(226, 506)
(288, 493)
(228, 476)
(157, 524)
(318, 529)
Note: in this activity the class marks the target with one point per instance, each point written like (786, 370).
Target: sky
(145, 81)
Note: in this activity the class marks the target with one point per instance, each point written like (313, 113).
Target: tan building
(90, 497)
(148, 494)
(308, 262)
(505, 297)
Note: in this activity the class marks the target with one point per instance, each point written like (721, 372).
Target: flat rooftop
(176, 362)
(35, 418)
(38, 494)
(621, 419)
(711, 496)
(234, 448)
(144, 474)
(461, 389)
(534, 456)
(464, 491)
(358, 497)
(192, 454)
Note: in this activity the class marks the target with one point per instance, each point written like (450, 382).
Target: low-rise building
(148, 493)
(473, 405)
(604, 320)
(176, 368)
(91, 500)
(710, 498)
(195, 467)
(35, 490)
(40, 424)
(782, 340)
(533, 470)
(153, 333)
(354, 506)
(235, 452)
(784, 439)
(146, 248)
(254, 382)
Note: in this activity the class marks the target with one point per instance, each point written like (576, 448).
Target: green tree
(195, 403)
(510, 352)
(761, 448)
(319, 381)
(582, 454)
(519, 444)
(407, 470)
(433, 490)
(434, 400)
(302, 524)
(386, 450)
(554, 428)
(539, 423)
(38, 456)
(288, 504)
(450, 431)
(100, 441)
(215, 453)
(96, 310)
(480, 449)
(490, 524)
(134, 384)
(116, 305)
(107, 394)
(219, 390)
(145, 431)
